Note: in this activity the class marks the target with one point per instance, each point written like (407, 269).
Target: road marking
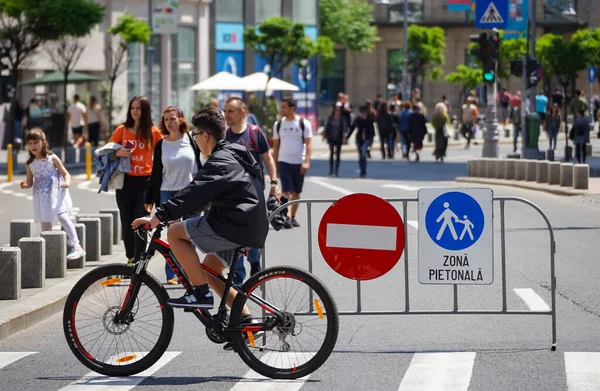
(255, 382)
(7, 358)
(532, 299)
(329, 186)
(401, 187)
(583, 370)
(368, 237)
(86, 186)
(439, 371)
(414, 224)
(94, 382)
(20, 194)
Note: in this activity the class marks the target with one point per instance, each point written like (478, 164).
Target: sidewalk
(38, 304)
(594, 186)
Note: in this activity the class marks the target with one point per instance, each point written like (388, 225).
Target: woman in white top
(176, 161)
(94, 121)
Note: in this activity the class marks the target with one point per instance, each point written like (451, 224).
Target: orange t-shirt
(141, 155)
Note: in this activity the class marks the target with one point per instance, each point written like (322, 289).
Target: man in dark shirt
(557, 97)
(253, 138)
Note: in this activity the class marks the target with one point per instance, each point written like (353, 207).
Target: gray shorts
(202, 236)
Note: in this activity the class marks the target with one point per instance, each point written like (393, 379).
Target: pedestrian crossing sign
(491, 13)
(455, 236)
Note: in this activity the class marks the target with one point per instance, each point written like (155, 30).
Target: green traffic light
(488, 76)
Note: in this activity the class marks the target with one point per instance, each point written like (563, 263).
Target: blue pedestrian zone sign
(456, 236)
(592, 73)
(454, 221)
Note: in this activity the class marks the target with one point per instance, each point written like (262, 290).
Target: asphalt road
(384, 352)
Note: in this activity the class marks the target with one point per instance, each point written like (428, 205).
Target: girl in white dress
(50, 180)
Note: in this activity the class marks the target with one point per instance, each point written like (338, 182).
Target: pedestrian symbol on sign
(491, 15)
(446, 228)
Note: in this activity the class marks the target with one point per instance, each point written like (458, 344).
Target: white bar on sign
(414, 224)
(7, 358)
(367, 237)
(532, 299)
(439, 372)
(583, 370)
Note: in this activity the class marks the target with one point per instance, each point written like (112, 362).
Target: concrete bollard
(20, 228)
(92, 238)
(511, 169)
(481, 167)
(542, 171)
(554, 173)
(506, 133)
(550, 155)
(490, 169)
(543, 155)
(471, 167)
(530, 170)
(106, 228)
(71, 155)
(581, 176)
(429, 137)
(10, 273)
(566, 174)
(588, 150)
(501, 169)
(33, 262)
(78, 263)
(56, 254)
(116, 223)
(521, 167)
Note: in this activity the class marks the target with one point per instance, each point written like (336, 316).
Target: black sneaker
(193, 299)
(245, 319)
(287, 224)
(295, 223)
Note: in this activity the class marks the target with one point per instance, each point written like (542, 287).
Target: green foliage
(426, 52)
(203, 98)
(510, 49)
(590, 41)
(131, 29)
(467, 78)
(561, 57)
(348, 23)
(281, 43)
(54, 19)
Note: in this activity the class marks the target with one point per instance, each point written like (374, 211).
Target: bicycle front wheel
(112, 348)
(296, 345)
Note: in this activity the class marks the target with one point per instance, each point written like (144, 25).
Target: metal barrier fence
(455, 310)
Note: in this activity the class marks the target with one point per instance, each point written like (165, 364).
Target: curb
(553, 189)
(27, 312)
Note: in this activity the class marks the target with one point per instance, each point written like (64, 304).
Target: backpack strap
(254, 129)
(278, 126)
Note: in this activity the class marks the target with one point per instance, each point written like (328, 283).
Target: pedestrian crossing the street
(427, 371)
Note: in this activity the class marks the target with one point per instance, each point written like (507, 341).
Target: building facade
(363, 76)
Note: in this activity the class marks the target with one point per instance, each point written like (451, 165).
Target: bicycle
(134, 290)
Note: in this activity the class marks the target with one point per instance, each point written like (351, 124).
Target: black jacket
(365, 129)
(228, 183)
(153, 191)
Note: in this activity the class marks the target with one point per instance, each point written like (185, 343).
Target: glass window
(266, 9)
(183, 69)
(305, 11)
(470, 16)
(229, 11)
(396, 11)
(553, 10)
(395, 63)
(155, 101)
(333, 81)
(470, 60)
(133, 70)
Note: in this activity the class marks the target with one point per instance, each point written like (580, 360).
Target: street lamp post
(149, 54)
(304, 64)
(405, 55)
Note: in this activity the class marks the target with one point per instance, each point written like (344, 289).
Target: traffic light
(516, 68)
(534, 72)
(487, 52)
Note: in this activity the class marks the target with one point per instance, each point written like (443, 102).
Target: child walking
(50, 180)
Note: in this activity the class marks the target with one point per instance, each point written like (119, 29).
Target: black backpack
(278, 126)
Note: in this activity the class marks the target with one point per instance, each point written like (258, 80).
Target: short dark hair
(289, 101)
(211, 121)
(239, 100)
(76, 97)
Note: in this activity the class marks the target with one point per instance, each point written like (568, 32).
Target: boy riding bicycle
(229, 184)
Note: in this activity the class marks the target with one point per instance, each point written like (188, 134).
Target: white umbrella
(258, 81)
(224, 81)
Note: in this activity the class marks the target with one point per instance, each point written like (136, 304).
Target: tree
(282, 43)
(425, 52)
(348, 23)
(590, 41)
(467, 78)
(27, 24)
(128, 30)
(65, 55)
(562, 58)
(510, 49)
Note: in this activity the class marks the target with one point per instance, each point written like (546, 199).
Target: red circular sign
(361, 236)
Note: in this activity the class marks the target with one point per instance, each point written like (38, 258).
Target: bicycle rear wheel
(302, 342)
(101, 344)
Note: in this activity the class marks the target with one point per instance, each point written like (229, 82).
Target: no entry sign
(361, 236)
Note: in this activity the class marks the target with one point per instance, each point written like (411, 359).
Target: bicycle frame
(204, 315)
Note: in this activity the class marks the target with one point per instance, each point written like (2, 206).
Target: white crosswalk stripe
(7, 358)
(439, 371)
(93, 382)
(583, 370)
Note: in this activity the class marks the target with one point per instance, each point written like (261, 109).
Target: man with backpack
(292, 147)
(253, 138)
(504, 106)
